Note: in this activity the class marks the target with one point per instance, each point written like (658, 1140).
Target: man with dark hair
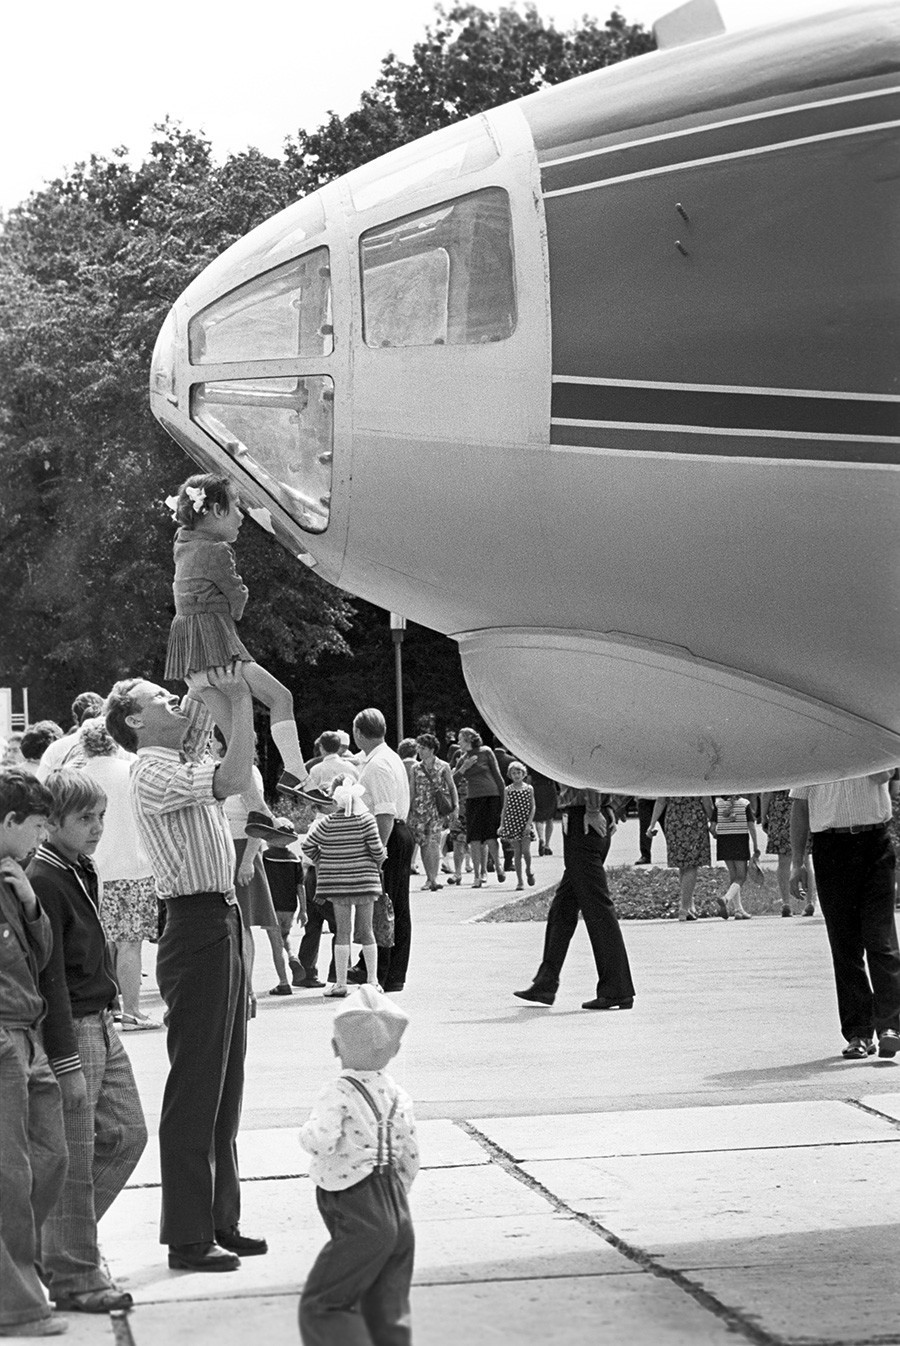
(85, 706)
(176, 792)
(35, 742)
(382, 775)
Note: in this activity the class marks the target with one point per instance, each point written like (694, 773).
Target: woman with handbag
(433, 802)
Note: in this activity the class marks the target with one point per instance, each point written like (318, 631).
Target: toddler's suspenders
(385, 1157)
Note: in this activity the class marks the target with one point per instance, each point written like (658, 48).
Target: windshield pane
(444, 276)
(443, 156)
(281, 432)
(285, 313)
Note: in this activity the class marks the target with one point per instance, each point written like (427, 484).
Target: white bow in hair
(347, 795)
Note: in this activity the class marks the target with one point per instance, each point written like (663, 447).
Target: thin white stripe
(727, 388)
(722, 430)
(671, 456)
(718, 126)
(723, 158)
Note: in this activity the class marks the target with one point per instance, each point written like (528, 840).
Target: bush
(648, 895)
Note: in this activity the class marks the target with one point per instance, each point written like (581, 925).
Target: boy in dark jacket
(105, 1130)
(32, 1139)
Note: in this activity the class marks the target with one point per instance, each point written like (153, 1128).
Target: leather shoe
(201, 1257)
(888, 1042)
(236, 1242)
(603, 1002)
(536, 997)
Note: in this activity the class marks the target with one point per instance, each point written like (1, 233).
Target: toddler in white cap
(361, 1138)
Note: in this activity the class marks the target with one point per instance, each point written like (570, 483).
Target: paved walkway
(704, 1169)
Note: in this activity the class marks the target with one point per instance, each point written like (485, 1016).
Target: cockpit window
(444, 276)
(444, 156)
(281, 432)
(277, 316)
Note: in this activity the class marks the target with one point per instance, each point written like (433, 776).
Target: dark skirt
(254, 898)
(483, 817)
(733, 847)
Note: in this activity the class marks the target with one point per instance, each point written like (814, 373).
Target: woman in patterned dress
(426, 775)
(687, 842)
(775, 820)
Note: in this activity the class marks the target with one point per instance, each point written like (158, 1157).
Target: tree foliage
(89, 266)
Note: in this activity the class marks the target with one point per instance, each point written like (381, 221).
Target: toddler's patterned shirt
(341, 1135)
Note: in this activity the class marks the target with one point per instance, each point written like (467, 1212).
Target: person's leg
(219, 708)
(361, 1239)
(385, 1304)
(477, 852)
(200, 972)
(687, 882)
(128, 975)
(562, 918)
(459, 855)
(226, 1196)
(517, 861)
(733, 891)
(343, 915)
(839, 899)
(492, 846)
(282, 725)
(120, 1132)
(526, 856)
(431, 857)
(784, 875)
(276, 944)
(585, 856)
(740, 878)
(548, 836)
(393, 963)
(879, 928)
(645, 843)
(33, 1161)
(362, 933)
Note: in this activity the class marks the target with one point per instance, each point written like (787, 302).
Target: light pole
(398, 626)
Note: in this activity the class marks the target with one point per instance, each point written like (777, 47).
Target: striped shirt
(845, 803)
(347, 852)
(180, 821)
(732, 816)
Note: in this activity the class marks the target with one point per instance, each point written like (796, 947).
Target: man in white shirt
(854, 864)
(85, 705)
(386, 784)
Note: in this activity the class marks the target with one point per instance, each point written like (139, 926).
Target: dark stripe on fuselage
(709, 142)
(683, 440)
(726, 410)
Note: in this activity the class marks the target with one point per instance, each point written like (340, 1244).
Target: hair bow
(347, 794)
(197, 497)
(171, 502)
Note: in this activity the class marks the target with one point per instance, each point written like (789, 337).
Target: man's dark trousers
(583, 888)
(317, 915)
(200, 972)
(645, 813)
(393, 963)
(855, 879)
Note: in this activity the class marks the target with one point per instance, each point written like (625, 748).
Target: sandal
(857, 1049)
(137, 1023)
(105, 1300)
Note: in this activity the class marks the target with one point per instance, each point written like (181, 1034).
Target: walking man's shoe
(235, 1242)
(888, 1042)
(535, 997)
(857, 1049)
(603, 1002)
(206, 1256)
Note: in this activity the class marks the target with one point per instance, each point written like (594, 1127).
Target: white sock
(341, 963)
(284, 736)
(733, 894)
(370, 958)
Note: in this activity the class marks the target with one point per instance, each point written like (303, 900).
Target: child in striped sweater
(347, 851)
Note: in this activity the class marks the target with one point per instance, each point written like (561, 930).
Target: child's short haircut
(330, 741)
(70, 791)
(23, 795)
(516, 766)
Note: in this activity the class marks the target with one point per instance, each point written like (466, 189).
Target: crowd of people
(148, 820)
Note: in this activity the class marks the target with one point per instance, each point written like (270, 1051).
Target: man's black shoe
(603, 1002)
(310, 982)
(357, 976)
(236, 1242)
(394, 986)
(201, 1257)
(536, 997)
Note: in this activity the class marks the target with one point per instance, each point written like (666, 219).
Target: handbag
(383, 921)
(442, 801)
(755, 873)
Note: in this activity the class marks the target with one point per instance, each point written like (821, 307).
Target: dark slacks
(393, 963)
(583, 888)
(357, 1293)
(855, 878)
(645, 813)
(317, 915)
(200, 971)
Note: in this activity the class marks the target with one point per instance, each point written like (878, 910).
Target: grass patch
(646, 894)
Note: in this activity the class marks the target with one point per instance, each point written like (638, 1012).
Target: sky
(83, 78)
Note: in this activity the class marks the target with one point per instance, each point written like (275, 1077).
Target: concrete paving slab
(271, 1319)
(276, 1152)
(635, 1310)
(683, 1130)
(889, 1104)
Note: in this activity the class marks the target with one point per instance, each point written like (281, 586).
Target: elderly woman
(430, 777)
(129, 911)
(484, 803)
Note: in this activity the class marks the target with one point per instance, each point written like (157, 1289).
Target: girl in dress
(516, 819)
(733, 826)
(209, 598)
(346, 848)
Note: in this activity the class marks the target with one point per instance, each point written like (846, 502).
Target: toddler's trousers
(357, 1293)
